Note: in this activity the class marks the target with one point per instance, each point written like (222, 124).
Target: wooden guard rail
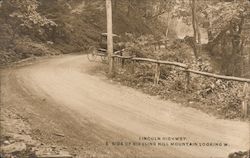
(188, 72)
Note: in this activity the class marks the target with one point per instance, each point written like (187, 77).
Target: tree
(23, 15)
(226, 22)
(195, 25)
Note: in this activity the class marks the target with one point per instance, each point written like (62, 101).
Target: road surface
(63, 95)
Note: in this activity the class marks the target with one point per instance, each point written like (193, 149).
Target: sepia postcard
(124, 78)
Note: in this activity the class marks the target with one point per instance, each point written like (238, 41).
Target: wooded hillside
(34, 28)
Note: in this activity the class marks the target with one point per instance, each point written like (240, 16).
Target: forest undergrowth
(213, 96)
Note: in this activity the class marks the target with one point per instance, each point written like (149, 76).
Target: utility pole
(110, 35)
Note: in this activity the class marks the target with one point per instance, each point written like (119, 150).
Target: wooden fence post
(187, 79)
(245, 100)
(115, 63)
(123, 61)
(132, 66)
(157, 73)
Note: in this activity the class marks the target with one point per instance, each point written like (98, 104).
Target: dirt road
(61, 95)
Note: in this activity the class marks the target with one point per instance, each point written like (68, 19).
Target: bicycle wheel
(92, 54)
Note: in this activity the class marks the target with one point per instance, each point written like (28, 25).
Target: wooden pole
(123, 62)
(115, 64)
(157, 74)
(245, 100)
(110, 35)
(132, 68)
(188, 80)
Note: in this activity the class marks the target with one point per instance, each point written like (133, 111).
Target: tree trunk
(129, 7)
(237, 41)
(167, 30)
(198, 47)
(193, 8)
(198, 30)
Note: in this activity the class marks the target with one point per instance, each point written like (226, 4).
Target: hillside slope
(82, 21)
(78, 25)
